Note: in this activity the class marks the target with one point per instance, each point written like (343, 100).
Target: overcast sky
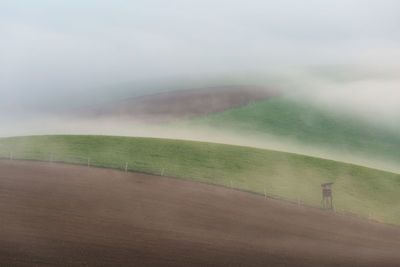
(50, 47)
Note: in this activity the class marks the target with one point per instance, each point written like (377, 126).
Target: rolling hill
(257, 113)
(307, 124)
(369, 193)
(176, 105)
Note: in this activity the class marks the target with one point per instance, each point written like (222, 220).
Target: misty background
(62, 55)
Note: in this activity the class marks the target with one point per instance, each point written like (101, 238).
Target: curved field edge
(366, 192)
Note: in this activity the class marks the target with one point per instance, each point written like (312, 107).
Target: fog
(62, 55)
(371, 93)
(56, 49)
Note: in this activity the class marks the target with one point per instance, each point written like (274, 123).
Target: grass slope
(307, 124)
(284, 175)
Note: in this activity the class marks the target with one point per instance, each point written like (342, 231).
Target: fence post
(126, 166)
(265, 193)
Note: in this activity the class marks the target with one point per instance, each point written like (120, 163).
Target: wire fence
(152, 169)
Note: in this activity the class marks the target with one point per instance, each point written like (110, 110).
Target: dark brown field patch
(178, 105)
(62, 215)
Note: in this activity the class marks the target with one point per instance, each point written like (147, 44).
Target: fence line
(78, 160)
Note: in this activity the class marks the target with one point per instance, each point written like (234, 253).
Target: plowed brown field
(178, 105)
(58, 214)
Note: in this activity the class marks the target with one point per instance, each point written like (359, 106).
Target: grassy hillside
(307, 124)
(284, 175)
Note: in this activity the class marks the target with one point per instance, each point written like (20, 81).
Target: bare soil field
(178, 105)
(64, 215)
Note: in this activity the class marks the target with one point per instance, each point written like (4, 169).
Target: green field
(308, 124)
(286, 176)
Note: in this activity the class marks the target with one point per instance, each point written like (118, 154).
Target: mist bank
(59, 55)
(370, 92)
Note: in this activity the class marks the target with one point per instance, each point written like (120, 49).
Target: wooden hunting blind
(327, 196)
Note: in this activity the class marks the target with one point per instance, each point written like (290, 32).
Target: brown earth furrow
(61, 215)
